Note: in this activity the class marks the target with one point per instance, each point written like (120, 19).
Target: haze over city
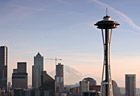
(65, 29)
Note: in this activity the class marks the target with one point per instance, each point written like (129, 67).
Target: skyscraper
(3, 67)
(37, 69)
(59, 79)
(130, 85)
(20, 76)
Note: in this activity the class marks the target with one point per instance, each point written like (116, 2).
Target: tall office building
(3, 67)
(37, 70)
(59, 79)
(20, 76)
(130, 85)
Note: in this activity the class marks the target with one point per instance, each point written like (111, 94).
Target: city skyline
(64, 29)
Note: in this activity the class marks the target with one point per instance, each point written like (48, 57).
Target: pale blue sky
(64, 29)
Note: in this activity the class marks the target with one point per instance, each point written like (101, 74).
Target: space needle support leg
(106, 64)
(103, 36)
(103, 66)
(110, 38)
(109, 70)
(106, 61)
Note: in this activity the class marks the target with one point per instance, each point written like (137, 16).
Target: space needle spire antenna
(106, 12)
(106, 25)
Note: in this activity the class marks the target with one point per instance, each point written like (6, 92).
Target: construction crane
(55, 59)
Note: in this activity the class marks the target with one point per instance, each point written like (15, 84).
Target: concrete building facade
(84, 87)
(59, 79)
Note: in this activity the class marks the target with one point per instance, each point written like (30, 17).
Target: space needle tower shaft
(106, 25)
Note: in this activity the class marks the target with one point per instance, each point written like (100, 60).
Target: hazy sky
(65, 29)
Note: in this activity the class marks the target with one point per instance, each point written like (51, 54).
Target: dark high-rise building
(21, 67)
(47, 83)
(59, 79)
(20, 76)
(3, 67)
(130, 85)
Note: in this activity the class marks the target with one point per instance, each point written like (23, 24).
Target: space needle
(106, 25)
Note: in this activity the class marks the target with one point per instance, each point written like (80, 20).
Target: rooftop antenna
(106, 12)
